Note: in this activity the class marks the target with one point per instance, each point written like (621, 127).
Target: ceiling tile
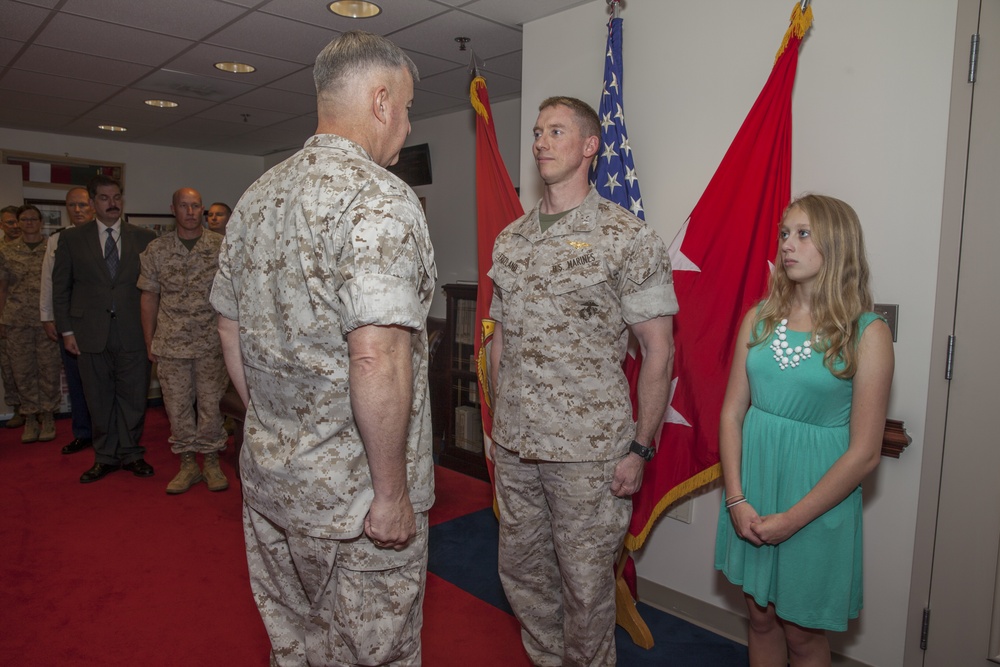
(46, 84)
(135, 98)
(509, 65)
(170, 83)
(429, 65)
(427, 104)
(32, 101)
(41, 3)
(202, 58)
(437, 37)
(46, 59)
(32, 119)
(278, 100)
(519, 12)
(132, 117)
(301, 82)
(275, 36)
(233, 113)
(456, 84)
(190, 19)
(396, 14)
(8, 49)
(85, 35)
(87, 127)
(21, 21)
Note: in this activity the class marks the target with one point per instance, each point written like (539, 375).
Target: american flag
(614, 174)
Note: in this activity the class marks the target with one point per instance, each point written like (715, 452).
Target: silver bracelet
(733, 504)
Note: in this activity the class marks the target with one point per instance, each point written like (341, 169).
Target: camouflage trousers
(560, 533)
(36, 364)
(184, 383)
(10, 395)
(336, 602)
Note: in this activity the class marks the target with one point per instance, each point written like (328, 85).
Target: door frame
(943, 323)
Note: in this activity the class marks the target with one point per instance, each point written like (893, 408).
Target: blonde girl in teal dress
(801, 427)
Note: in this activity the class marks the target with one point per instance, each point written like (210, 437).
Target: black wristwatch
(646, 453)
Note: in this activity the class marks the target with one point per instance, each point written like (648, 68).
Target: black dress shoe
(99, 471)
(78, 445)
(139, 468)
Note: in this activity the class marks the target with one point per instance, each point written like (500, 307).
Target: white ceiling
(67, 66)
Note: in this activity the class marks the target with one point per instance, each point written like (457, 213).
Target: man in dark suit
(96, 303)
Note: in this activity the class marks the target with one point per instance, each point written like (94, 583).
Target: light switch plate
(890, 311)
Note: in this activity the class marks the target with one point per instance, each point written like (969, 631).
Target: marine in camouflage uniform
(10, 233)
(571, 279)
(180, 326)
(34, 357)
(325, 281)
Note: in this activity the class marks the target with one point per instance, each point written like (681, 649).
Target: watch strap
(646, 453)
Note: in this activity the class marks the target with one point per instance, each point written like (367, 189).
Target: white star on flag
(678, 260)
(636, 206)
(609, 152)
(672, 416)
(612, 182)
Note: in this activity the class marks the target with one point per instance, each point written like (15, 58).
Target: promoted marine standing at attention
(571, 279)
(325, 280)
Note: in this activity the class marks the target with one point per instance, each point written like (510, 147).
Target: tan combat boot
(188, 476)
(48, 428)
(30, 429)
(17, 421)
(214, 477)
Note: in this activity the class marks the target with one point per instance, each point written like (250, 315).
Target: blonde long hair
(842, 291)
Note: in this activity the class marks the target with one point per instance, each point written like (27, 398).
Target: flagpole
(614, 4)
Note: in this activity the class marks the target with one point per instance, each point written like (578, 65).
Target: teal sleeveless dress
(797, 426)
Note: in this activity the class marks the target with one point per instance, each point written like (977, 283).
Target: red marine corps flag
(497, 205)
(720, 262)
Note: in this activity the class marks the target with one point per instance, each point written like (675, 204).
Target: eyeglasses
(29, 219)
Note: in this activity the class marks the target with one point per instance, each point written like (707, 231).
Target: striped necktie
(111, 254)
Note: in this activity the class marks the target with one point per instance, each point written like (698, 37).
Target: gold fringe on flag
(800, 23)
(479, 82)
(690, 485)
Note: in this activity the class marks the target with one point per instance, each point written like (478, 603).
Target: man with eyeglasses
(80, 212)
(10, 232)
(182, 338)
(96, 304)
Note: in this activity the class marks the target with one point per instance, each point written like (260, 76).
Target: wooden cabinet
(462, 448)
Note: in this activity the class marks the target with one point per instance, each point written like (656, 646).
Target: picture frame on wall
(52, 213)
(161, 223)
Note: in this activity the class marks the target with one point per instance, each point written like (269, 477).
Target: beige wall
(870, 122)
(451, 198)
(152, 173)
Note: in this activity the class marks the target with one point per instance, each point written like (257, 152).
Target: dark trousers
(77, 399)
(116, 382)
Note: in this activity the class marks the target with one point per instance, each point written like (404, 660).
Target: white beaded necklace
(786, 355)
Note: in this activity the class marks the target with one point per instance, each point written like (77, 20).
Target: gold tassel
(478, 82)
(799, 24)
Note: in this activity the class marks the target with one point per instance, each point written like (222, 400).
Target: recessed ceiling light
(112, 128)
(163, 104)
(354, 9)
(235, 68)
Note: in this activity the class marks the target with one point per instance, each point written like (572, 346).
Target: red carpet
(119, 573)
